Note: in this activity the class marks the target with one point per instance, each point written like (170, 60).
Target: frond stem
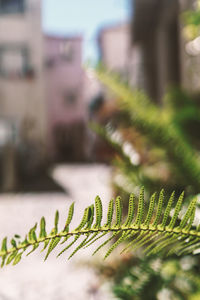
(137, 229)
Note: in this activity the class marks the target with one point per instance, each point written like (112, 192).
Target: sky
(86, 17)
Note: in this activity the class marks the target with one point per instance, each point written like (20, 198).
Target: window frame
(20, 48)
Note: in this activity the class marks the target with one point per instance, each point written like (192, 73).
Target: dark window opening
(15, 62)
(50, 62)
(11, 6)
(70, 97)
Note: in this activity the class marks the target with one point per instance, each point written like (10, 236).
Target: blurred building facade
(22, 105)
(43, 98)
(119, 54)
(21, 68)
(114, 47)
(66, 106)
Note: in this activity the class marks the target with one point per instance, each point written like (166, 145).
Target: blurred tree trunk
(155, 29)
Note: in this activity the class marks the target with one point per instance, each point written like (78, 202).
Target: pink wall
(64, 78)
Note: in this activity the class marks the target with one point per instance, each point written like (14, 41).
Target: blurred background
(65, 136)
(46, 95)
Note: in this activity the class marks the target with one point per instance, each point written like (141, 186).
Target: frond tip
(157, 229)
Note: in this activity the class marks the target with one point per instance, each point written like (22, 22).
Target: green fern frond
(157, 230)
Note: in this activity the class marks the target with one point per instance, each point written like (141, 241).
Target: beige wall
(115, 45)
(22, 99)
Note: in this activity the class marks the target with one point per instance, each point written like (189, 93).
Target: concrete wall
(22, 97)
(114, 43)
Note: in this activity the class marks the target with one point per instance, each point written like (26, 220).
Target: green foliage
(173, 279)
(191, 20)
(164, 129)
(170, 146)
(157, 230)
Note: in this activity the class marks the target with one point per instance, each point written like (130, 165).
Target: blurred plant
(152, 278)
(167, 156)
(170, 138)
(191, 19)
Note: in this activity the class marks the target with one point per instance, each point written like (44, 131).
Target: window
(70, 97)
(11, 6)
(50, 62)
(14, 61)
(67, 51)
